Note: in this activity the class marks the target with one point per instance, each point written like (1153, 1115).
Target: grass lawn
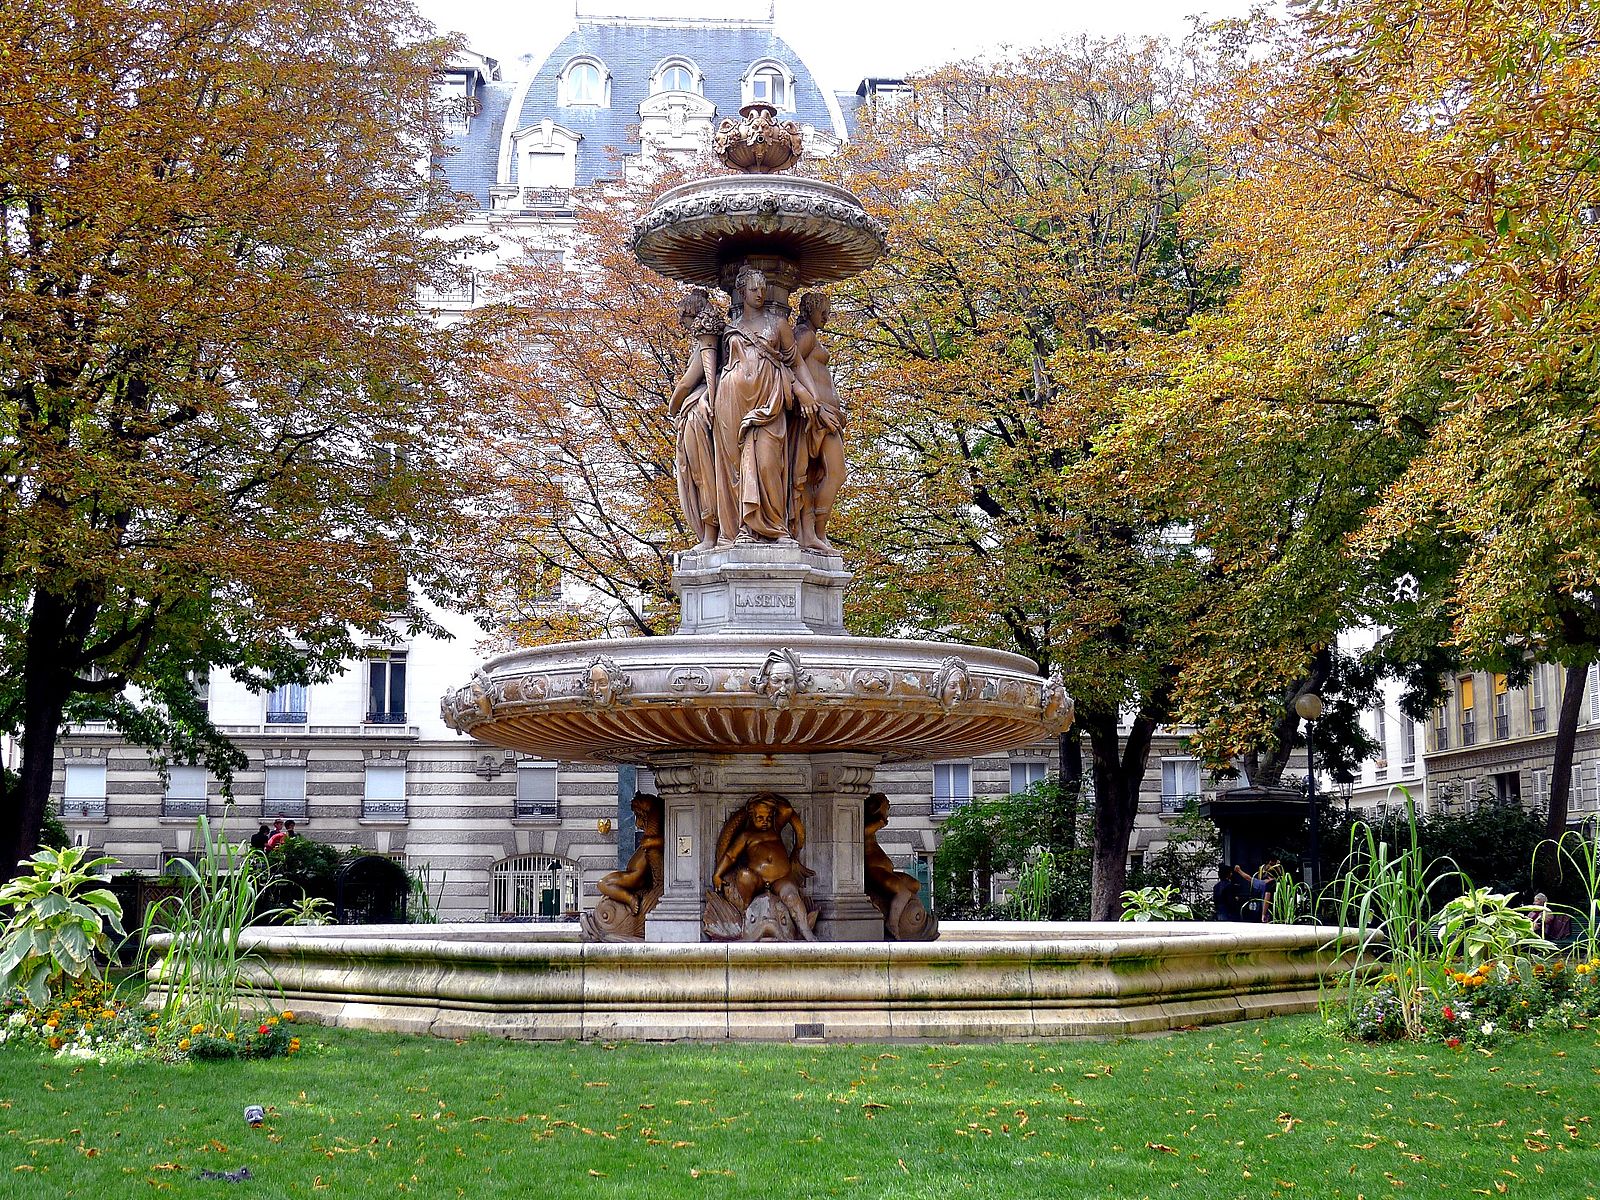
(1262, 1109)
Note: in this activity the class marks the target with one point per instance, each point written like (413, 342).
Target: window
(533, 887)
(385, 795)
(1538, 712)
(1469, 727)
(536, 792)
(286, 704)
(1441, 728)
(186, 792)
(952, 787)
(1180, 784)
(1408, 743)
(585, 82)
(285, 794)
(769, 82)
(84, 794)
(1507, 787)
(676, 75)
(1540, 782)
(386, 688)
(1027, 772)
(1502, 708)
(1594, 691)
(1575, 794)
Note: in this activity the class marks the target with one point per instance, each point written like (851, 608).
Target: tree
(1415, 220)
(1036, 276)
(226, 431)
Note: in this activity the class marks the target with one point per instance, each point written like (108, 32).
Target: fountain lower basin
(988, 981)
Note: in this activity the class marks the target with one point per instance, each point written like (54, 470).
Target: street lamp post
(1309, 708)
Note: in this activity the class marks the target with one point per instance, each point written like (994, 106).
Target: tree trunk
(1070, 749)
(1555, 823)
(45, 685)
(1118, 775)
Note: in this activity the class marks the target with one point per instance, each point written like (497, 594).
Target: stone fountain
(762, 720)
(758, 904)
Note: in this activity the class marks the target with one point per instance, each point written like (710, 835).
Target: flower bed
(91, 1022)
(1480, 1006)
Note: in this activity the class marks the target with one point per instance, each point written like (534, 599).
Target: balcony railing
(386, 718)
(183, 806)
(1469, 732)
(284, 808)
(383, 810)
(1177, 802)
(943, 806)
(286, 718)
(1539, 719)
(84, 808)
(537, 810)
(1502, 728)
(1441, 737)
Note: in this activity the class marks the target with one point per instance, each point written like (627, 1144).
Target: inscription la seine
(764, 599)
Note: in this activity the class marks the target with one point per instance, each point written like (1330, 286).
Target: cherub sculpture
(894, 892)
(628, 895)
(755, 868)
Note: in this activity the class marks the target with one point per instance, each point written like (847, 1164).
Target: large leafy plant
(1483, 926)
(1154, 904)
(61, 914)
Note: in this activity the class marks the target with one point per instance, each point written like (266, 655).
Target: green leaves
(59, 921)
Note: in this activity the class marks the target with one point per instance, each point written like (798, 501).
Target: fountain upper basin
(629, 700)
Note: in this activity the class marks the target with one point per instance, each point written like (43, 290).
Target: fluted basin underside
(697, 229)
(628, 701)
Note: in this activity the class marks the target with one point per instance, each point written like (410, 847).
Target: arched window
(676, 75)
(536, 886)
(769, 82)
(586, 82)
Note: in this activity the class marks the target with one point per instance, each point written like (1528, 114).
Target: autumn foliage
(225, 429)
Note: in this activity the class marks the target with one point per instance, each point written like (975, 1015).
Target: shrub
(1154, 904)
(62, 911)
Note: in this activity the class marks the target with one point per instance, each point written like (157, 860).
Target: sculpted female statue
(691, 406)
(819, 457)
(757, 389)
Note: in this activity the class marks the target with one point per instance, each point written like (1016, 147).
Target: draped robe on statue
(754, 396)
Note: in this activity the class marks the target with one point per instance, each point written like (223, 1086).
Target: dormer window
(586, 82)
(769, 82)
(676, 75)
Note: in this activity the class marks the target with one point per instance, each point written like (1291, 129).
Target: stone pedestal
(761, 588)
(700, 790)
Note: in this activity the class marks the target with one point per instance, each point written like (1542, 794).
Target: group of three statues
(756, 882)
(760, 445)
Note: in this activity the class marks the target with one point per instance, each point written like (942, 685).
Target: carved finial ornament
(758, 142)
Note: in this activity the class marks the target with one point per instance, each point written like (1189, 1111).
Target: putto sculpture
(755, 887)
(628, 895)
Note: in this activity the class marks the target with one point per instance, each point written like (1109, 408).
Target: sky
(843, 41)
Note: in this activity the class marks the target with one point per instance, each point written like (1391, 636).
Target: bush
(58, 927)
(1026, 835)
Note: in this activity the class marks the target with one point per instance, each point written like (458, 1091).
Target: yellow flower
(294, 1044)
(230, 1037)
(183, 1044)
(108, 1012)
(272, 1020)
(287, 1015)
(200, 1028)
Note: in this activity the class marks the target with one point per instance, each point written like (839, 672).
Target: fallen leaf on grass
(597, 1174)
(1161, 1146)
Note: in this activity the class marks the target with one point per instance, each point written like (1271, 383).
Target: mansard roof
(630, 50)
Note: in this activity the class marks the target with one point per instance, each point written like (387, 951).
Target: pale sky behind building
(842, 41)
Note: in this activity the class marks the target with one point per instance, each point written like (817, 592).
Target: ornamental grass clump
(1386, 898)
(192, 953)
